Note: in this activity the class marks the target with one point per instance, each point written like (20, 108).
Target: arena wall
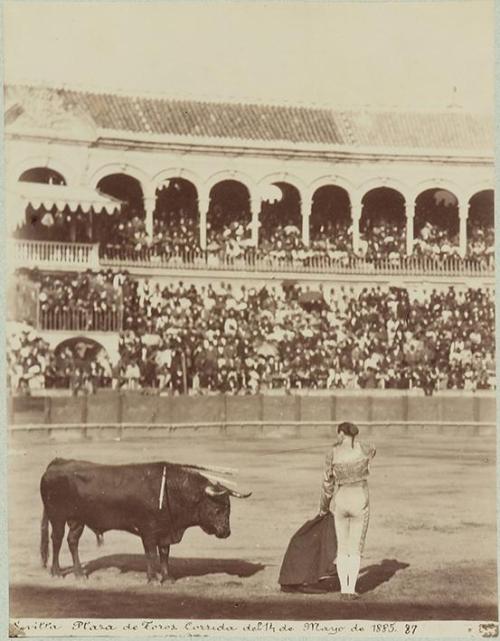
(134, 411)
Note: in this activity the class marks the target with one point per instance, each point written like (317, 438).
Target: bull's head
(215, 509)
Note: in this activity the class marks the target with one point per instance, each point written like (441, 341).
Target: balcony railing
(81, 320)
(53, 255)
(256, 262)
(34, 253)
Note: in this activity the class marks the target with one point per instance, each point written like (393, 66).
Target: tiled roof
(254, 122)
(452, 130)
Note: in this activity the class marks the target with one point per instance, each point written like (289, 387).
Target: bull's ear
(213, 491)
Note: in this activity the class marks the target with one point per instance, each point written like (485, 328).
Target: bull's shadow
(179, 567)
(370, 576)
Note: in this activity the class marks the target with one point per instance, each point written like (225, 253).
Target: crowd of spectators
(176, 238)
(173, 239)
(282, 243)
(28, 358)
(56, 226)
(33, 365)
(92, 297)
(230, 338)
(481, 241)
(333, 239)
(127, 235)
(383, 239)
(232, 242)
(436, 242)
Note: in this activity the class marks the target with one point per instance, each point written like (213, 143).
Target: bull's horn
(239, 495)
(212, 491)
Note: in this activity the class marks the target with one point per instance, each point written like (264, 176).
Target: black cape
(311, 553)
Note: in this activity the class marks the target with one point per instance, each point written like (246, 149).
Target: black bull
(156, 501)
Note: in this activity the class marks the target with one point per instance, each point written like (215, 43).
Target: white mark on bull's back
(162, 487)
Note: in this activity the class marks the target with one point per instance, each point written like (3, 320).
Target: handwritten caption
(216, 629)
(197, 628)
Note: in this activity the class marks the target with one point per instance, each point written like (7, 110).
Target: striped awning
(45, 195)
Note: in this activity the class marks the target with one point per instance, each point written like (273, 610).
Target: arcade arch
(84, 362)
(44, 162)
(481, 224)
(42, 175)
(127, 189)
(437, 225)
(331, 216)
(122, 225)
(383, 221)
(313, 206)
(280, 215)
(229, 214)
(176, 211)
(46, 224)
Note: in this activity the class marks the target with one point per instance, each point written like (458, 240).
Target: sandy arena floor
(430, 552)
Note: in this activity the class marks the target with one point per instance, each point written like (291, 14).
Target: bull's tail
(100, 539)
(44, 539)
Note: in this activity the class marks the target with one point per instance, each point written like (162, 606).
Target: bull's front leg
(149, 543)
(164, 552)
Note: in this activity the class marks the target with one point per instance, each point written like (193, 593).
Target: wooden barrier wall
(106, 408)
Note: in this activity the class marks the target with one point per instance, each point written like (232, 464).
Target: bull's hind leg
(74, 534)
(57, 537)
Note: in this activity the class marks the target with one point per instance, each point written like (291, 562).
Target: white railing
(34, 253)
(80, 320)
(53, 255)
(258, 262)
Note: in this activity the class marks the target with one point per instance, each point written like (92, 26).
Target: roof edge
(246, 101)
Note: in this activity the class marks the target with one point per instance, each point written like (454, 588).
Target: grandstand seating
(148, 192)
(181, 337)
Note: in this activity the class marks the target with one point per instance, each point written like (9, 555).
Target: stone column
(149, 207)
(410, 219)
(203, 203)
(356, 208)
(305, 210)
(255, 206)
(463, 213)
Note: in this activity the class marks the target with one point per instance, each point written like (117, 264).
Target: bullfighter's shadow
(370, 577)
(179, 567)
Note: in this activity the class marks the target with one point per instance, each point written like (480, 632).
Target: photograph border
(4, 559)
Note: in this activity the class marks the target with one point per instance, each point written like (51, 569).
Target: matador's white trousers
(352, 512)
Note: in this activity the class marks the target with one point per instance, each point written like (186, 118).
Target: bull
(156, 501)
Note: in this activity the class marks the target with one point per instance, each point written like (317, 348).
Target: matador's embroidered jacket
(338, 474)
